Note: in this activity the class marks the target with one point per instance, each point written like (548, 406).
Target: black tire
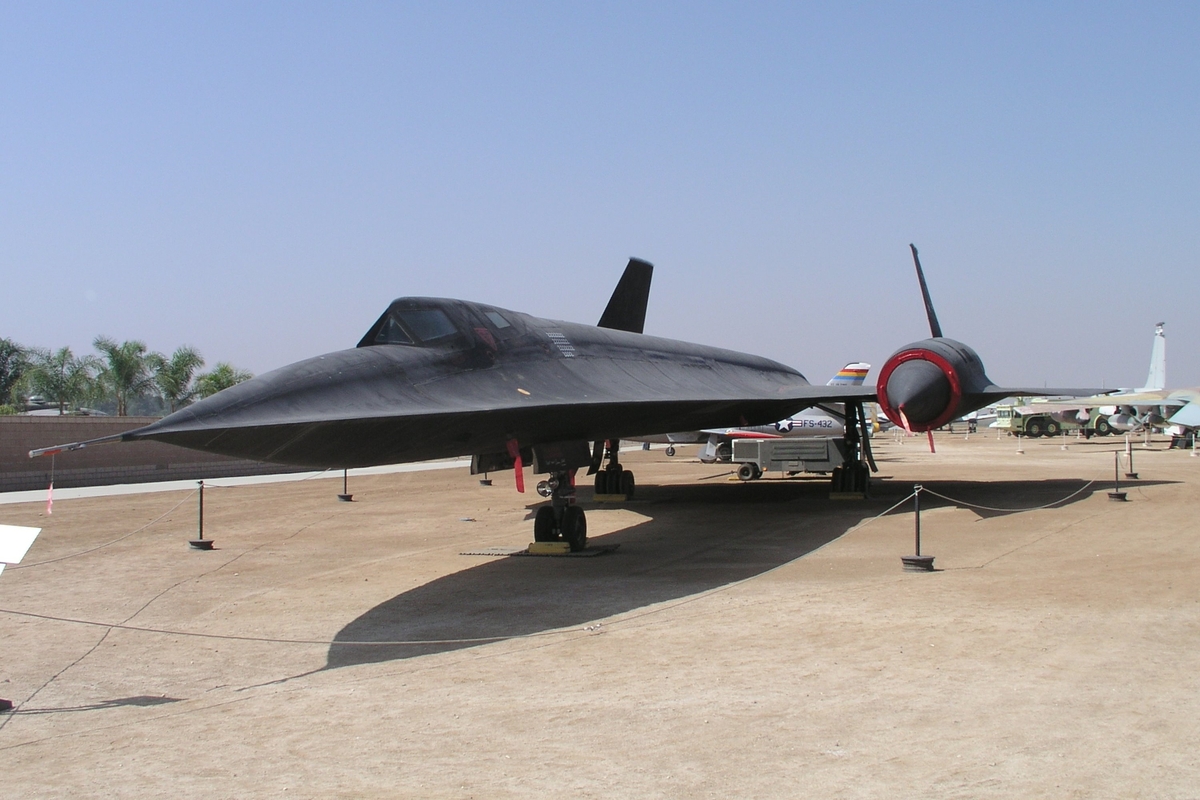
(1034, 429)
(836, 480)
(747, 472)
(575, 528)
(1053, 428)
(543, 525)
(1102, 427)
(601, 482)
(627, 485)
(670, 450)
(612, 480)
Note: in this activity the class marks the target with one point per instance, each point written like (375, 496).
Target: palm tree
(223, 376)
(128, 370)
(14, 360)
(61, 377)
(174, 376)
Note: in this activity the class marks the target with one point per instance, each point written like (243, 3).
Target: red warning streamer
(514, 451)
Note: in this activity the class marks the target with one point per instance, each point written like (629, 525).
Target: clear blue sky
(259, 180)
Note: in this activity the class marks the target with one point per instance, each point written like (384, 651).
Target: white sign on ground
(15, 541)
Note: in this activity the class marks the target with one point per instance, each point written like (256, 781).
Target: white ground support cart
(819, 455)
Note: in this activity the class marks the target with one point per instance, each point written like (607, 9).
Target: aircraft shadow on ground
(143, 701)
(989, 499)
(699, 537)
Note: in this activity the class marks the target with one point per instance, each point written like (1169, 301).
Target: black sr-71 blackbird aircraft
(437, 378)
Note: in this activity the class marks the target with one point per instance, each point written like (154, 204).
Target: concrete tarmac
(750, 640)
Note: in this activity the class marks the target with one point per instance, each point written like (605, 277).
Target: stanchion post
(917, 516)
(345, 496)
(1116, 493)
(200, 543)
(917, 562)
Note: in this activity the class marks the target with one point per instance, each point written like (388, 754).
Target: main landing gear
(562, 520)
(612, 478)
(853, 477)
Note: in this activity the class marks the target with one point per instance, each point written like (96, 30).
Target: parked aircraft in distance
(818, 421)
(1151, 406)
(437, 378)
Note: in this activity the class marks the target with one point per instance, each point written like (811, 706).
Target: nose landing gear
(562, 520)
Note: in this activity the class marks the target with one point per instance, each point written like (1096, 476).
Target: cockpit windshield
(414, 326)
(392, 333)
(427, 324)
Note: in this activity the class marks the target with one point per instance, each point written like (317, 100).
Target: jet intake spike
(921, 387)
(920, 390)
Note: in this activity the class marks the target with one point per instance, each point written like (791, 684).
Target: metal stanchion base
(1131, 476)
(917, 563)
(1118, 496)
(346, 498)
(5, 705)
(485, 481)
(201, 544)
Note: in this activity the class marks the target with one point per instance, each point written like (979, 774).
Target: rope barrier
(968, 504)
(273, 640)
(159, 518)
(107, 544)
(417, 642)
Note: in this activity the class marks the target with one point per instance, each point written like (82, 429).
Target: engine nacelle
(1072, 416)
(926, 384)
(1123, 422)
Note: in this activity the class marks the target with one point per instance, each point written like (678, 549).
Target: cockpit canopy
(435, 322)
(417, 323)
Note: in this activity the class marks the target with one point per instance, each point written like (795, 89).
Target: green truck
(1031, 421)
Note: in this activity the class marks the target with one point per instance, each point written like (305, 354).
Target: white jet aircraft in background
(1152, 406)
(819, 421)
(1176, 411)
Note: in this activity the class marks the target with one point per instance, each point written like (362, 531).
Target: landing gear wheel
(543, 525)
(612, 480)
(601, 482)
(1102, 427)
(748, 472)
(670, 450)
(627, 484)
(851, 478)
(574, 528)
(1053, 428)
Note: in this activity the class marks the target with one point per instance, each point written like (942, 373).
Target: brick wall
(122, 462)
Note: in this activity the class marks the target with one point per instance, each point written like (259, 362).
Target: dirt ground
(748, 640)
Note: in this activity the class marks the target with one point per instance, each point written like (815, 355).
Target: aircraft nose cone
(919, 389)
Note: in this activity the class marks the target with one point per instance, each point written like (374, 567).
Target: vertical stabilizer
(626, 310)
(1157, 379)
(935, 330)
(851, 375)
